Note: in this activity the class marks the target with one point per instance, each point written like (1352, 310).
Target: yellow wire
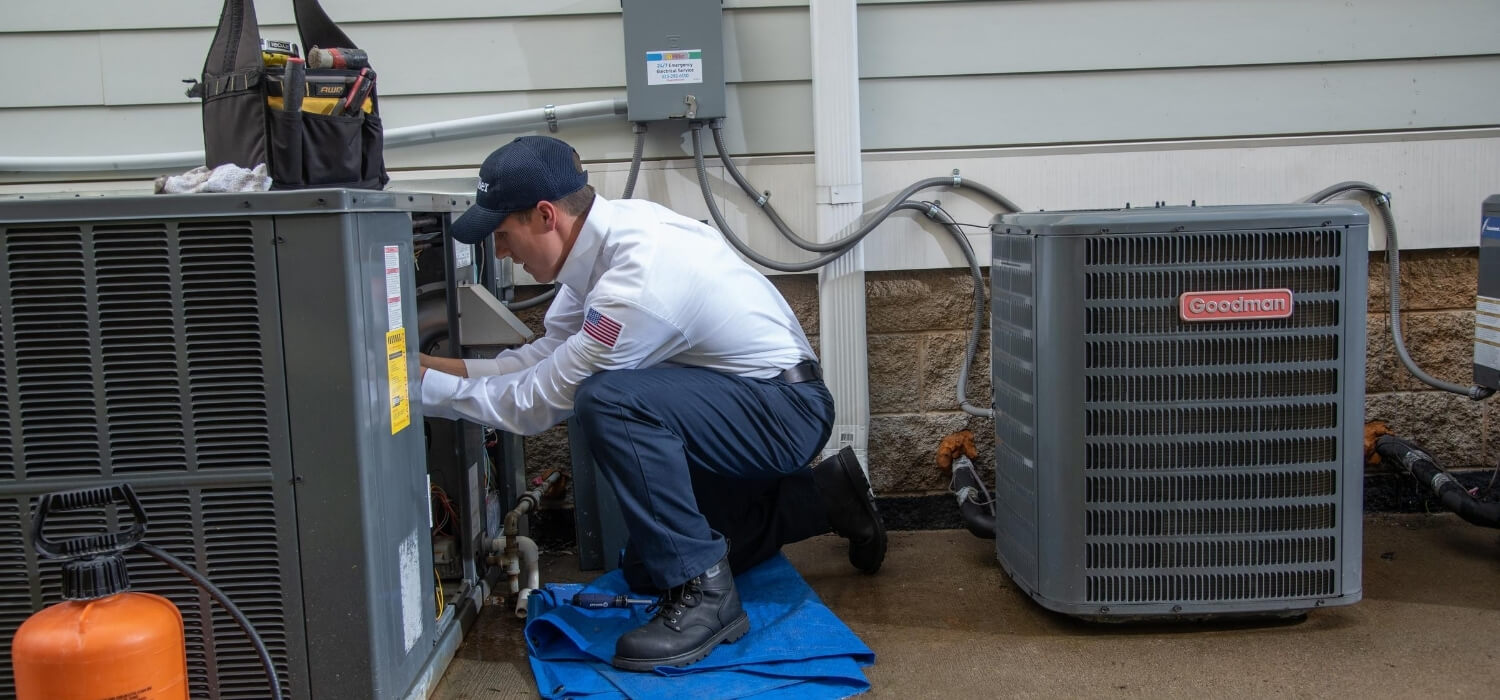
(439, 589)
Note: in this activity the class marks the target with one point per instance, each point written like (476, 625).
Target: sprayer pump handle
(88, 545)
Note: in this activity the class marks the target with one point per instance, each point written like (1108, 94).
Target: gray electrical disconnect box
(1487, 307)
(674, 59)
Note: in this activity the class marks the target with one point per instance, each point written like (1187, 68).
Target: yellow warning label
(395, 354)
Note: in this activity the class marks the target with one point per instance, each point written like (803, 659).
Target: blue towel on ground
(796, 647)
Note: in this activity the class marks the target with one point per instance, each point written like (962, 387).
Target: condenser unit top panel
(1091, 222)
(74, 207)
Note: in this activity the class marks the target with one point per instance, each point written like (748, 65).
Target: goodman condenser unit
(1179, 399)
(245, 362)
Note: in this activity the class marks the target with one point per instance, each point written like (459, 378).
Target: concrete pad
(945, 621)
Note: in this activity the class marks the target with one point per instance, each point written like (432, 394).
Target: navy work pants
(696, 456)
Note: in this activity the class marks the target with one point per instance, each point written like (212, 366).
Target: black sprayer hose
(218, 595)
(978, 515)
(1393, 262)
(762, 200)
(1450, 493)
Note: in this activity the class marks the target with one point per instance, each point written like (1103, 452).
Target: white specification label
(411, 590)
(463, 255)
(393, 286)
(674, 67)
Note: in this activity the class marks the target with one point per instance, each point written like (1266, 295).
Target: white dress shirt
(642, 286)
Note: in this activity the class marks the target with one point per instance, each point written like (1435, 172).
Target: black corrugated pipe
(974, 502)
(1450, 493)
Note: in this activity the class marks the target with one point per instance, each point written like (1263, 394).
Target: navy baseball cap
(516, 177)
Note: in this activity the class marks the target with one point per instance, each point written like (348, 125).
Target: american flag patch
(601, 328)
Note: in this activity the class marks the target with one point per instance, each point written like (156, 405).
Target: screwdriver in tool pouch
(599, 601)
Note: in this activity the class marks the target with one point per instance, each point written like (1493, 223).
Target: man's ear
(548, 212)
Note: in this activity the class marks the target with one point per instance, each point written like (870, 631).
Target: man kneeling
(698, 393)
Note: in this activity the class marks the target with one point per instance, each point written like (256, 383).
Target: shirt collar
(579, 267)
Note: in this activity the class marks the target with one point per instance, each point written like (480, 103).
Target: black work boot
(850, 503)
(690, 621)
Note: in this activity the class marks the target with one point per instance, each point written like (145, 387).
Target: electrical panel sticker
(674, 67)
(1489, 227)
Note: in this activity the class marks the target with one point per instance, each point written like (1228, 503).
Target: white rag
(225, 178)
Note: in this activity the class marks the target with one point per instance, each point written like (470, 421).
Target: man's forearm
(446, 365)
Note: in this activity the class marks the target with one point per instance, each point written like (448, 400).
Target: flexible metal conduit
(1393, 259)
(838, 247)
(635, 159)
(401, 136)
(763, 200)
(936, 213)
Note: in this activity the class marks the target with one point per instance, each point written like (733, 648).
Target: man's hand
(446, 365)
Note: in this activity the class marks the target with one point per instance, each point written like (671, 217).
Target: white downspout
(840, 200)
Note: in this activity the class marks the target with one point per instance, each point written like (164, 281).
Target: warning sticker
(395, 356)
(393, 286)
(674, 67)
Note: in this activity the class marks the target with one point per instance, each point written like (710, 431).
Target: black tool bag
(301, 149)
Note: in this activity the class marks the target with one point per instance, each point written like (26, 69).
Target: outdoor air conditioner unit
(239, 359)
(1179, 399)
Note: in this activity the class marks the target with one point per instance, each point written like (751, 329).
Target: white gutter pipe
(499, 123)
(90, 164)
(525, 119)
(840, 200)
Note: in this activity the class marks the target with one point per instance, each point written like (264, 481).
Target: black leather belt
(804, 371)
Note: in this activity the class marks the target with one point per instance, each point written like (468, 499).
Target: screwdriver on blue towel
(599, 601)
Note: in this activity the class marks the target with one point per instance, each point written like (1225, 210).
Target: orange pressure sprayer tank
(104, 641)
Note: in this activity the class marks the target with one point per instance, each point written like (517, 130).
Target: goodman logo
(1235, 305)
